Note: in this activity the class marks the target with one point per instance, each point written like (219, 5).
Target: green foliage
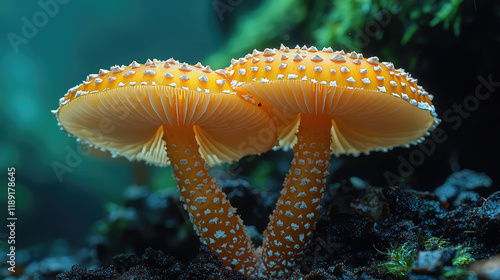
(430, 242)
(259, 27)
(462, 257)
(350, 21)
(448, 14)
(343, 18)
(352, 25)
(401, 259)
(261, 173)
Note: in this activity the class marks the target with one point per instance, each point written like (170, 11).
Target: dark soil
(359, 226)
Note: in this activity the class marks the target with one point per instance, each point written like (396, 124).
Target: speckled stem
(215, 220)
(290, 228)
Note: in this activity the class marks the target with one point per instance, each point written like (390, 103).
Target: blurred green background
(49, 46)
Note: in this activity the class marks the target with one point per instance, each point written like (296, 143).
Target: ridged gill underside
(127, 121)
(362, 120)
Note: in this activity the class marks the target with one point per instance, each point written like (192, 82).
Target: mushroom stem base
(214, 218)
(290, 228)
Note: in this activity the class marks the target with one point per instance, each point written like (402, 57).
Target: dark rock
(490, 209)
(464, 180)
(466, 196)
(477, 223)
(431, 262)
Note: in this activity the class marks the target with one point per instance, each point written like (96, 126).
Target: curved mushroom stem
(290, 229)
(211, 213)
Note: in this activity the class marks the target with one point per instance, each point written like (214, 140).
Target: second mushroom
(325, 102)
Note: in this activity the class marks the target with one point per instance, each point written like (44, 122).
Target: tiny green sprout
(461, 259)
(401, 260)
(433, 241)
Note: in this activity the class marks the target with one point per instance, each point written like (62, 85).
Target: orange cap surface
(373, 106)
(122, 110)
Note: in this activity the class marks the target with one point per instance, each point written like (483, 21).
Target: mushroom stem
(214, 218)
(290, 228)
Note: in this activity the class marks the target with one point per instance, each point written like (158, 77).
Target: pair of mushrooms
(191, 117)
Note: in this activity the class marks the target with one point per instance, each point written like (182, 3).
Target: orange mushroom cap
(373, 105)
(123, 109)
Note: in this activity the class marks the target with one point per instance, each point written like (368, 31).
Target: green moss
(460, 261)
(463, 257)
(430, 242)
(402, 257)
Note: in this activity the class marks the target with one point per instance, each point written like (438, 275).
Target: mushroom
(166, 112)
(325, 102)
